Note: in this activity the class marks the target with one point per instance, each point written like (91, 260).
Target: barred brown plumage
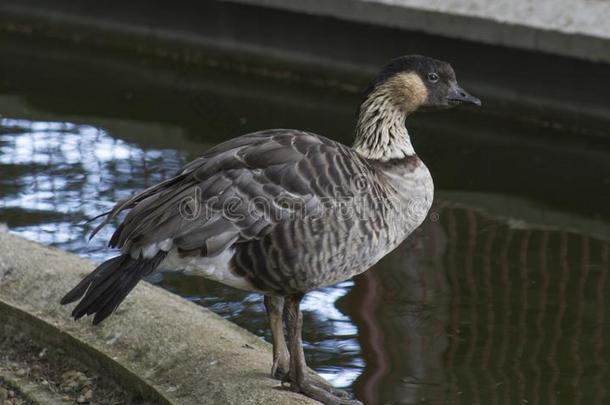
(284, 212)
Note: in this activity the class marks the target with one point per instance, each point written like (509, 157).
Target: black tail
(108, 285)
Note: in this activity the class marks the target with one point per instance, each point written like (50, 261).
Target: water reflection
(401, 310)
(56, 174)
(468, 311)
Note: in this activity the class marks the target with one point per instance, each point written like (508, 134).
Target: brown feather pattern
(276, 198)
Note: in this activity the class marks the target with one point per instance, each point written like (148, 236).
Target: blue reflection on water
(66, 173)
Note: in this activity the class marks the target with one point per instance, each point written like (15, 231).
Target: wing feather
(236, 192)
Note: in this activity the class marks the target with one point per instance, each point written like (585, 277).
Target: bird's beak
(457, 95)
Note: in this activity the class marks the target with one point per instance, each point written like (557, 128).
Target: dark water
(501, 297)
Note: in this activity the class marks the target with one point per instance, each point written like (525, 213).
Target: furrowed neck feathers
(380, 131)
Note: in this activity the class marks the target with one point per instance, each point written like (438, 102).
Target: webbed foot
(324, 393)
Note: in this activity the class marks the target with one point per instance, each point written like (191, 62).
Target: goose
(283, 212)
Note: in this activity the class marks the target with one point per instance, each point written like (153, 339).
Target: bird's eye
(432, 77)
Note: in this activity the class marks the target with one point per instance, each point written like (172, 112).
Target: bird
(283, 212)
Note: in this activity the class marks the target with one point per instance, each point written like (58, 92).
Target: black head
(422, 83)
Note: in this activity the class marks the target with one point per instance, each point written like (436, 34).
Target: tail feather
(77, 292)
(113, 301)
(100, 293)
(106, 287)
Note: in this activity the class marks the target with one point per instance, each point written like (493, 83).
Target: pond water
(501, 297)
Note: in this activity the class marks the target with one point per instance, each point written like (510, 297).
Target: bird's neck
(380, 132)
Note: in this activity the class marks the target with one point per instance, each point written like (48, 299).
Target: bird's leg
(298, 369)
(281, 358)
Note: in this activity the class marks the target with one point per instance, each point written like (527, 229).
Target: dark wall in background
(320, 50)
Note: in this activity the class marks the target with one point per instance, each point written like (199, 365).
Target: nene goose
(283, 212)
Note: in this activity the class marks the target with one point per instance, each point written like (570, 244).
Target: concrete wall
(328, 45)
(575, 28)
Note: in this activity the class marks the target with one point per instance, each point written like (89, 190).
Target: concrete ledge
(574, 28)
(158, 345)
